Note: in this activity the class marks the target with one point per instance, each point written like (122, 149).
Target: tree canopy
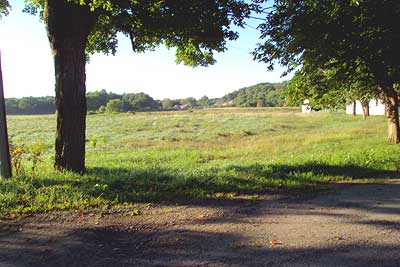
(195, 28)
(343, 35)
(4, 7)
(352, 32)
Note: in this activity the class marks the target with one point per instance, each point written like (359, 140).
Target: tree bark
(68, 27)
(365, 108)
(392, 106)
(354, 108)
(5, 161)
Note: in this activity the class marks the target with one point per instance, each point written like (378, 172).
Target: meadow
(194, 155)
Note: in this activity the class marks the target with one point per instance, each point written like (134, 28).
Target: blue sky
(28, 67)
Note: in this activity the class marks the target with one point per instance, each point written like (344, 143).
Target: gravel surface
(353, 225)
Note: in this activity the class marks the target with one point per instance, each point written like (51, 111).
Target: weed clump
(24, 155)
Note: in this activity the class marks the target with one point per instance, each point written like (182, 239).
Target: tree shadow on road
(178, 247)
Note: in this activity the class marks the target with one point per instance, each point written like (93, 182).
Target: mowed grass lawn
(188, 155)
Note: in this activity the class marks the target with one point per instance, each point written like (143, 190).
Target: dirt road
(354, 225)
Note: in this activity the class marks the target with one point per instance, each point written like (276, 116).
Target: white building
(376, 107)
(305, 108)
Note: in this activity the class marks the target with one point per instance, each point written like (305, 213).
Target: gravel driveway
(353, 225)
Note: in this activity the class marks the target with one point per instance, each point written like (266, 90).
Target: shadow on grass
(240, 191)
(153, 185)
(224, 186)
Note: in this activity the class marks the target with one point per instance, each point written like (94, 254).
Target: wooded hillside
(261, 95)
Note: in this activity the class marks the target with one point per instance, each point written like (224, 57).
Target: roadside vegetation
(193, 155)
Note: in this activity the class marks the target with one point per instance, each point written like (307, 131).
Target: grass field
(215, 153)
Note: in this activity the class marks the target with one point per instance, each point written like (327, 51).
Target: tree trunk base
(68, 27)
(392, 102)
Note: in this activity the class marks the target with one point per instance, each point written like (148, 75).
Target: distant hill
(261, 95)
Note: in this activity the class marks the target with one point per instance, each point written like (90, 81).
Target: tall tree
(78, 27)
(5, 163)
(353, 32)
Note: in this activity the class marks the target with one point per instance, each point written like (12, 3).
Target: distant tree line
(102, 101)
(99, 101)
(260, 95)
(30, 105)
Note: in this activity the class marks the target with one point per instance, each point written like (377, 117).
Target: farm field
(174, 157)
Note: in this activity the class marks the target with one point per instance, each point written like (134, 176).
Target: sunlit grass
(177, 156)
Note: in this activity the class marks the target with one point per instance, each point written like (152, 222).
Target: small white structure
(376, 107)
(181, 107)
(305, 108)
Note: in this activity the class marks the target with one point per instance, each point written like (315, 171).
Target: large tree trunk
(5, 161)
(392, 107)
(68, 28)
